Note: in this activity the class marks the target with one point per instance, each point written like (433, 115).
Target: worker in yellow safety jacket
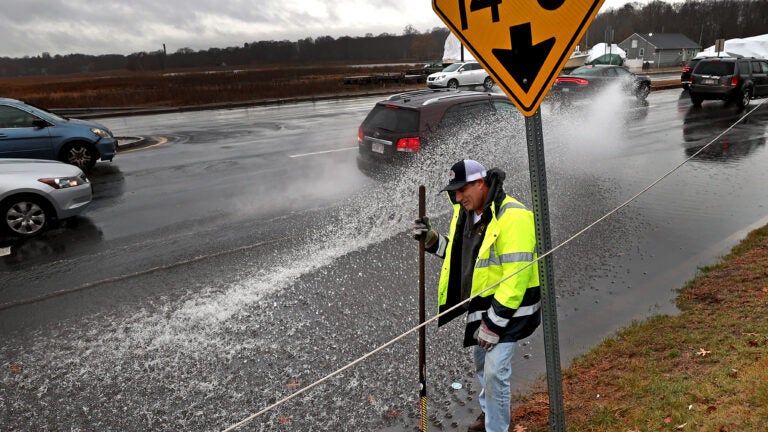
(488, 256)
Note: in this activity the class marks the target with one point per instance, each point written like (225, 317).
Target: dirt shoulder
(704, 370)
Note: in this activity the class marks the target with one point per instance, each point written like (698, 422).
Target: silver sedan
(34, 193)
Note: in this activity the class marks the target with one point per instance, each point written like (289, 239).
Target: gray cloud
(31, 27)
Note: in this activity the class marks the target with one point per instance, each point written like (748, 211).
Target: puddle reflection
(703, 124)
(72, 237)
(108, 183)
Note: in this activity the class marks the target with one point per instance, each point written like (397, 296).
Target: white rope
(391, 342)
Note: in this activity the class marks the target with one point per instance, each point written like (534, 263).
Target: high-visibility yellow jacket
(504, 280)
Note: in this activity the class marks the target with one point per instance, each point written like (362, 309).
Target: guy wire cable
(418, 327)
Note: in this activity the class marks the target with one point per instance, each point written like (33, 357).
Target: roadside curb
(666, 85)
(124, 143)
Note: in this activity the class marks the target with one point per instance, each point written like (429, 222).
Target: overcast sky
(31, 27)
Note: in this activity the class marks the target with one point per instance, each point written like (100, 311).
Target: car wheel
(488, 83)
(453, 84)
(695, 100)
(24, 215)
(80, 155)
(643, 90)
(744, 98)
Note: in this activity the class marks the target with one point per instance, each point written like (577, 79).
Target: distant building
(660, 50)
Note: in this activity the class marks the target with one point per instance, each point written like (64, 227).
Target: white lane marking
(322, 152)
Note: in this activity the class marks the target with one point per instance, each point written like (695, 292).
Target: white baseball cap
(463, 172)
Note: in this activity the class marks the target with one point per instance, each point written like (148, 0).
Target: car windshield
(453, 67)
(586, 71)
(392, 119)
(716, 68)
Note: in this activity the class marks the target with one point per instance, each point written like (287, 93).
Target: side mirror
(39, 123)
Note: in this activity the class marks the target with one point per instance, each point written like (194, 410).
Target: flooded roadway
(247, 258)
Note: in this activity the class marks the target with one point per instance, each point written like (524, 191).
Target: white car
(460, 74)
(34, 192)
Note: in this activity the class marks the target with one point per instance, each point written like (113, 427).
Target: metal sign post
(523, 46)
(422, 330)
(719, 46)
(537, 168)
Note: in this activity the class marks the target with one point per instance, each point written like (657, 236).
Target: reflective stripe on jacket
(511, 308)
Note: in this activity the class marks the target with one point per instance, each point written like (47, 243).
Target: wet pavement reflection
(713, 121)
(71, 238)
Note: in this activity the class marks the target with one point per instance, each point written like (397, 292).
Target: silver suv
(459, 75)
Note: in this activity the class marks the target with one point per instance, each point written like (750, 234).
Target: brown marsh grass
(187, 87)
(703, 370)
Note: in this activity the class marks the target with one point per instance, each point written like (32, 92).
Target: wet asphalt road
(246, 257)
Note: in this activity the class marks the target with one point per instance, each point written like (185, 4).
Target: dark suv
(685, 73)
(730, 79)
(401, 125)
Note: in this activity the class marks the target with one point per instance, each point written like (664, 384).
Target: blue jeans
(494, 369)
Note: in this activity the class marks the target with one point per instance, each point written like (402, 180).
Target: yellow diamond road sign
(523, 44)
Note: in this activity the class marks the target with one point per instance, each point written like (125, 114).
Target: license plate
(710, 81)
(377, 147)
(566, 90)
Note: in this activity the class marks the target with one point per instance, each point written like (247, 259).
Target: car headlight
(101, 132)
(64, 182)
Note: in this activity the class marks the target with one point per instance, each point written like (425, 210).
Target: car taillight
(578, 81)
(360, 135)
(686, 70)
(411, 145)
(734, 81)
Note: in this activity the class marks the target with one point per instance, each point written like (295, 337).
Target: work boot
(478, 425)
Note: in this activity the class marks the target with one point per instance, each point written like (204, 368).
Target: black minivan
(400, 126)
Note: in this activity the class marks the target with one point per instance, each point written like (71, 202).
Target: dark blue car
(27, 131)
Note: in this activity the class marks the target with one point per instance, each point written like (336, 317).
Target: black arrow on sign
(524, 60)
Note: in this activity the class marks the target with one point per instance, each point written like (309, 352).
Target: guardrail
(74, 112)
(382, 79)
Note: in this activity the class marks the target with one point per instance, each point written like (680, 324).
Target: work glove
(486, 338)
(422, 229)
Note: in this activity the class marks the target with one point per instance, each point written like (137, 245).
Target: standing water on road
(273, 320)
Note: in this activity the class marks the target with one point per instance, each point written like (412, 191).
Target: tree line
(411, 46)
(703, 21)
